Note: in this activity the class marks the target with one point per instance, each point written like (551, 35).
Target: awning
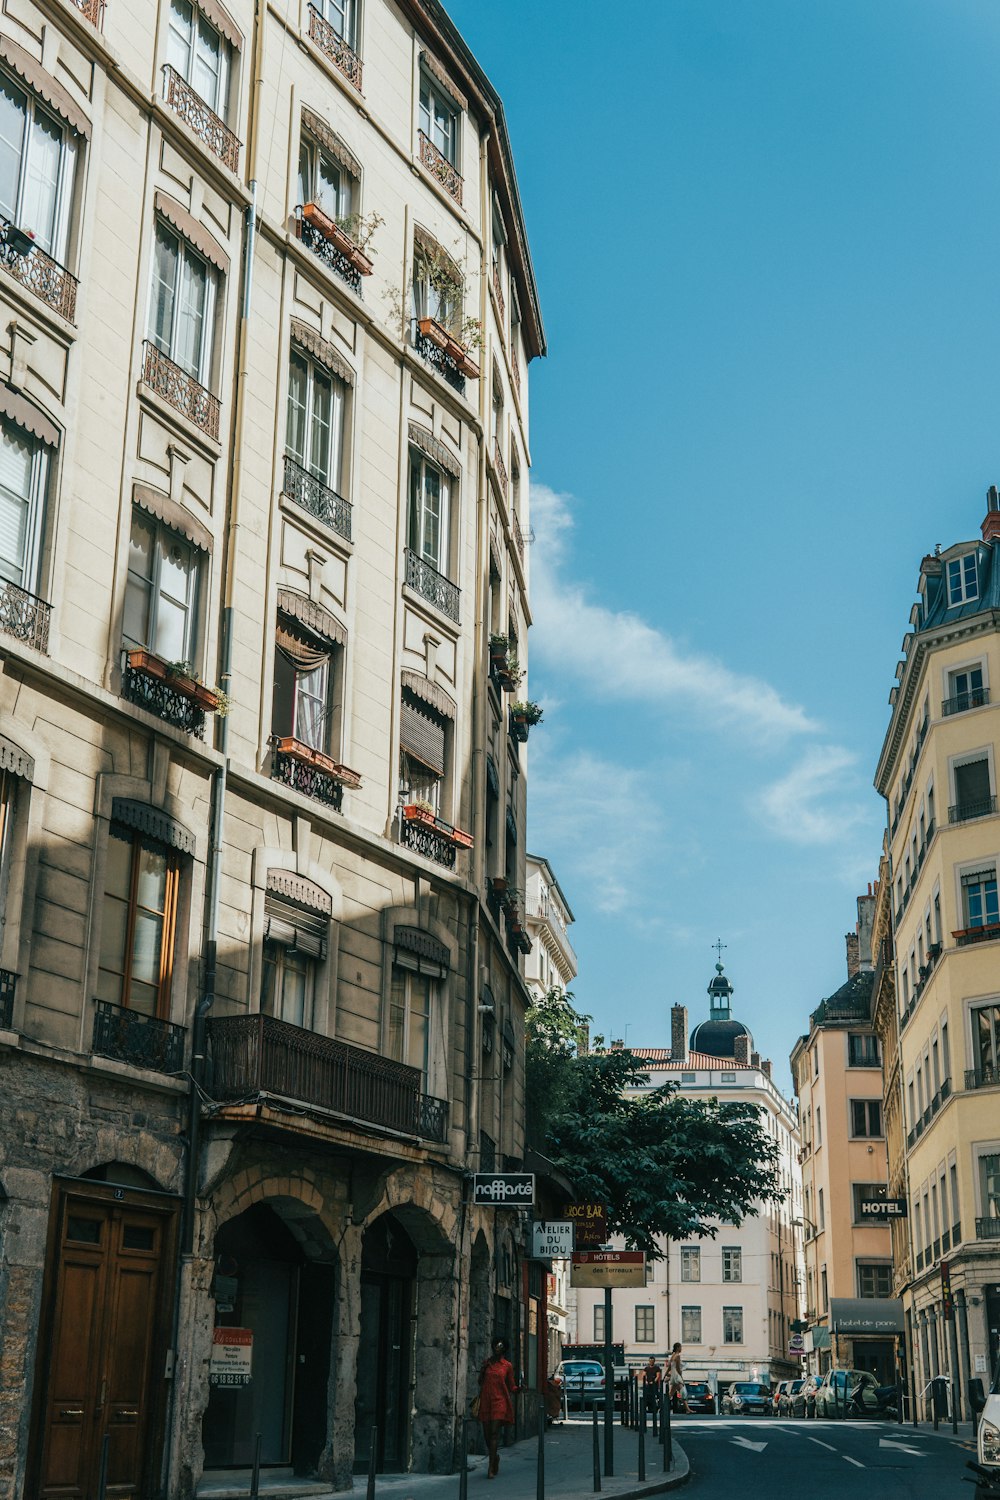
(421, 437)
(313, 616)
(421, 734)
(431, 693)
(294, 887)
(196, 234)
(322, 350)
(13, 759)
(420, 952)
(143, 818)
(293, 926)
(328, 138)
(158, 504)
(31, 72)
(24, 412)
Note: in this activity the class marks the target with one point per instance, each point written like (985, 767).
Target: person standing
(677, 1388)
(496, 1408)
(652, 1380)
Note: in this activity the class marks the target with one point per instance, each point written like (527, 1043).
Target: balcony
(425, 580)
(142, 1041)
(988, 1229)
(515, 526)
(192, 109)
(93, 10)
(986, 932)
(423, 831)
(440, 168)
(498, 290)
(181, 391)
(8, 985)
(981, 1078)
(334, 48)
(500, 467)
(444, 353)
(962, 702)
(252, 1055)
(173, 696)
(963, 811)
(28, 263)
(332, 245)
(487, 1152)
(311, 772)
(24, 616)
(316, 498)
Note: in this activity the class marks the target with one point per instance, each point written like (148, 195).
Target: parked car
(802, 1402)
(840, 1388)
(583, 1380)
(746, 1398)
(700, 1397)
(789, 1390)
(781, 1389)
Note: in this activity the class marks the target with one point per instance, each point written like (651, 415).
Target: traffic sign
(608, 1268)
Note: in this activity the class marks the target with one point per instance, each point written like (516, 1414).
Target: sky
(766, 235)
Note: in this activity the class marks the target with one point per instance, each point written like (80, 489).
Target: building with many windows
(268, 313)
(937, 772)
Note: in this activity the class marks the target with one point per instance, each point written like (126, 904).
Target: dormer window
(963, 579)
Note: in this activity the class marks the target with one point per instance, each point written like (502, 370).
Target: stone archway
(480, 1309)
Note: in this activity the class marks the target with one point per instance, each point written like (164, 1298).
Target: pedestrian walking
(677, 1388)
(652, 1380)
(496, 1409)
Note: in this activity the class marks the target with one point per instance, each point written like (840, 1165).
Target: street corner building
(268, 312)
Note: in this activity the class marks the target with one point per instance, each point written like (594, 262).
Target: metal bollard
(668, 1441)
(102, 1476)
(540, 1470)
(642, 1450)
(255, 1475)
(597, 1454)
(463, 1473)
(372, 1454)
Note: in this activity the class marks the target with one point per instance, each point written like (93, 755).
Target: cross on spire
(718, 945)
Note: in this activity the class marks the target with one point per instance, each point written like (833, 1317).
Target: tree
(665, 1166)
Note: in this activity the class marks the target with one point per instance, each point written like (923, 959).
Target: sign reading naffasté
(503, 1189)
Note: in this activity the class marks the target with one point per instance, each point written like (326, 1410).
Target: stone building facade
(268, 309)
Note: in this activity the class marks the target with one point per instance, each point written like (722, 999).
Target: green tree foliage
(666, 1166)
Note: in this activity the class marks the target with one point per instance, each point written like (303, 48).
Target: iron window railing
(142, 1041)
(984, 1077)
(159, 696)
(439, 359)
(38, 272)
(310, 780)
(962, 702)
(24, 616)
(333, 46)
(963, 811)
(431, 585)
(206, 124)
(988, 1229)
(181, 390)
(440, 168)
(317, 498)
(93, 10)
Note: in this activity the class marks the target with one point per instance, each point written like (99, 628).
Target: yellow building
(937, 772)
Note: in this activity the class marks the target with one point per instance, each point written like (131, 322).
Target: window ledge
(146, 1076)
(208, 446)
(431, 613)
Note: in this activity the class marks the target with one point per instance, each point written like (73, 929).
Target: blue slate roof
(936, 609)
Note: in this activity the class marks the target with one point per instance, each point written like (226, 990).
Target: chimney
(741, 1050)
(853, 954)
(618, 1045)
(991, 525)
(765, 1067)
(678, 1033)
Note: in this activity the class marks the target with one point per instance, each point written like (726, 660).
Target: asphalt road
(764, 1458)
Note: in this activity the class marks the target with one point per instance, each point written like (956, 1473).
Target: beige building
(837, 1073)
(267, 315)
(937, 771)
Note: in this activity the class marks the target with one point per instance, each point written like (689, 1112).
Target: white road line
(853, 1461)
(820, 1444)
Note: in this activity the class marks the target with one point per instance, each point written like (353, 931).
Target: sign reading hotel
(590, 1221)
(884, 1208)
(608, 1268)
(503, 1189)
(232, 1357)
(552, 1239)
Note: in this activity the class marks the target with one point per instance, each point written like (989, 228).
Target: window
(423, 742)
(342, 15)
(690, 1263)
(874, 1279)
(979, 898)
(691, 1325)
(295, 942)
(866, 1192)
(37, 159)
(973, 790)
(137, 924)
(645, 1325)
(161, 591)
(409, 1018)
(437, 286)
(819, 1127)
(963, 581)
(315, 432)
(430, 496)
(965, 690)
(199, 54)
(183, 304)
(23, 473)
(732, 1325)
(732, 1263)
(822, 1209)
(986, 1042)
(866, 1117)
(439, 118)
(824, 1290)
(862, 1050)
(598, 1324)
(305, 676)
(326, 182)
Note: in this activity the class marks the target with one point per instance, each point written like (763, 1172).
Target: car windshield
(752, 1390)
(797, 1386)
(581, 1367)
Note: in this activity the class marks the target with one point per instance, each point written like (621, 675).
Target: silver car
(582, 1380)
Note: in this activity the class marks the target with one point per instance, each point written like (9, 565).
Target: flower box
(339, 238)
(205, 698)
(450, 345)
(414, 814)
(288, 745)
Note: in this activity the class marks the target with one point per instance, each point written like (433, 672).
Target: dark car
(700, 1397)
(803, 1402)
(787, 1392)
(747, 1398)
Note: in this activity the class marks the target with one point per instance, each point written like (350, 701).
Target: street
(829, 1458)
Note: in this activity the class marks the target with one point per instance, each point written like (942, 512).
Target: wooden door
(100, 1381)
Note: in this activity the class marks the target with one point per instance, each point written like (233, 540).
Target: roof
(852, 1002)
(659, 1057)
(718, 1037)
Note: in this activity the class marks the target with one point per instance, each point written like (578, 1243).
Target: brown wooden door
(108, 1279)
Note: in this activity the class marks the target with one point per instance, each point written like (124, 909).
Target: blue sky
(767, 240)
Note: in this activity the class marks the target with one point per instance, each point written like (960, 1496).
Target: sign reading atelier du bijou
(503, 1189)
(552, 1239)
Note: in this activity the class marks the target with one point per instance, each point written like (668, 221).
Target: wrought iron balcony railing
(330, 254)
(984, 1077)
(206, 124)
(181, 390)
(8, 985)
(309, 779)
(985, 933)
(317, 498)
(440, 168)
(498, 289)
(962, 702)
(988, 1229)
(333, 46)
(963, 811)
(439, 359)
(142, 1041)
(500, 466)
(162, 696)
(424, 839)
(433, 586)
(487, 1152)
(34, 269)
(24, 616)
(518, 534)
(93, 10)
(515, 374)
(260, 1055)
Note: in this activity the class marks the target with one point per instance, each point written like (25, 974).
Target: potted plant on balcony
(350, 234)
(509, 674)
(297, 750)
(182, 678)
(422, 812)
(499, 649)
(523, 716)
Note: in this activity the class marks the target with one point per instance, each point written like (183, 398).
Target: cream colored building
(937, 771)
(268, 310)
(837, 1073)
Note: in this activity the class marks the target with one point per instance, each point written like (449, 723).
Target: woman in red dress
(496, 1409)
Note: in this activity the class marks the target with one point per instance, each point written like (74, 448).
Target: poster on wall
(231, 1363)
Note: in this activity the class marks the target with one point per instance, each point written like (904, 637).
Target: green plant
(360, 228)
(223, 702)
(500, 643)
(424, 807)
(527, 712)
(183, 669)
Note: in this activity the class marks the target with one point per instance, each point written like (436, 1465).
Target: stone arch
(296, 1200)
(124, 1174)
(138, 1152)
(480, 1307)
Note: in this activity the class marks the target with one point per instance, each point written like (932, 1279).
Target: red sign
(590, 1221)
(609, 1257)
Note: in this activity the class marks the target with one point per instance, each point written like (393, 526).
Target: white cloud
(622, 657)
(807, 804)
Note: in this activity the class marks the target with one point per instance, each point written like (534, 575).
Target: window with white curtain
(439, 117)
(23, 473)
(325, 181)
(37, 160)
(199, 54)
(304, 678)
(182, 313)
(161, 591)
(430, 520)
(315, 432)
(410, 1018)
